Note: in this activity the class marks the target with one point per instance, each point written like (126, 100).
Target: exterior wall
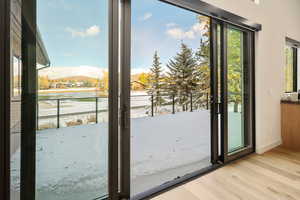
(279, 19)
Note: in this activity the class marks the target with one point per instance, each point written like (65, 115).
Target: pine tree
(182, 76)
(156, 83)
(235, 69)
(203, 59)
(203, 54)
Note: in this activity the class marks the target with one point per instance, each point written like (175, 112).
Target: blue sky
(75, 32)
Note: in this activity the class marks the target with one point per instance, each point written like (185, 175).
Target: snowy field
(72, 161)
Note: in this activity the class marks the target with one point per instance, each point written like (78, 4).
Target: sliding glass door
(189, 103)
(236, 91)
(170, 94)
(61, 68)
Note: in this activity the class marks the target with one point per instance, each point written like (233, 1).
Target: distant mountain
(83, 72)
(76, 78)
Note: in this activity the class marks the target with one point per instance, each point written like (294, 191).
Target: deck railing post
(96, 110)
(191, 96)
(37, 115)
(58, 112)
(173, 104)
(152, 105)
(207, 101)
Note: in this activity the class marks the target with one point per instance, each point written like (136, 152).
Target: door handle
(219, 107)
(125, 117)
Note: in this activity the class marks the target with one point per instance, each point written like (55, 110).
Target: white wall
(279, 19)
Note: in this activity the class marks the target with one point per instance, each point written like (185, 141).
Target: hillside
(75, 78)
(54, 73)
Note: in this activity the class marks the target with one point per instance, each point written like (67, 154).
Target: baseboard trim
(263, 149)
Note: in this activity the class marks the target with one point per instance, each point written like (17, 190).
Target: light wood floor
(274, 175)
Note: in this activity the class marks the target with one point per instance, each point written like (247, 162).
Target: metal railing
(191, 103)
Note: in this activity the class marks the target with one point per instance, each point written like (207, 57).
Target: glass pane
(288, 70)
(170, 114)
(236, 89)
(15, 138)
(72, 62)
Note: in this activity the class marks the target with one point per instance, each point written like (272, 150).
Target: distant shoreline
(68, 90)
(72, 90)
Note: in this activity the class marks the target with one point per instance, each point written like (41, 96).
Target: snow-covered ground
(72, 162)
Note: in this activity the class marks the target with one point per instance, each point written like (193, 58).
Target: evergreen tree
(203, 59)
(182, 76)
(203, 54)
(156, 83)
(235, 68)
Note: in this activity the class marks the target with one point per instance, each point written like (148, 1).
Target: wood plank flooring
(274, 175)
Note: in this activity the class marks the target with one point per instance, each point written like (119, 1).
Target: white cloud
(171, 24)
(89, 32)
(198, 28)
(180, 34)
(139, 70)
(68, 54)
(146, 16)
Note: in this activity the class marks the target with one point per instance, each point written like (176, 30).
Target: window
(290, 69)
(256, 1)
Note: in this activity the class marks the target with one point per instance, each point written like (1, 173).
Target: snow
(168, 142)
(72, 162)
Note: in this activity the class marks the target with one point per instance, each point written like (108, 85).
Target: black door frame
(117, 181)
(5, 99)
(29, 99)
(249, 93)
(113, 100)
(294, 44)
(214, 100)
(125, 89)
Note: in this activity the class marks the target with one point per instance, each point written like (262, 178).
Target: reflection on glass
(71, 136)
(235, 87)
(170, 117)
(73, 123)
(288, 70)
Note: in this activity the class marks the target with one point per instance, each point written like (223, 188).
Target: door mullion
(214, 90)
(125, 98)
(246, 77)
(5, 79)
(28, 105)
(113, 102)
(224, 94)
